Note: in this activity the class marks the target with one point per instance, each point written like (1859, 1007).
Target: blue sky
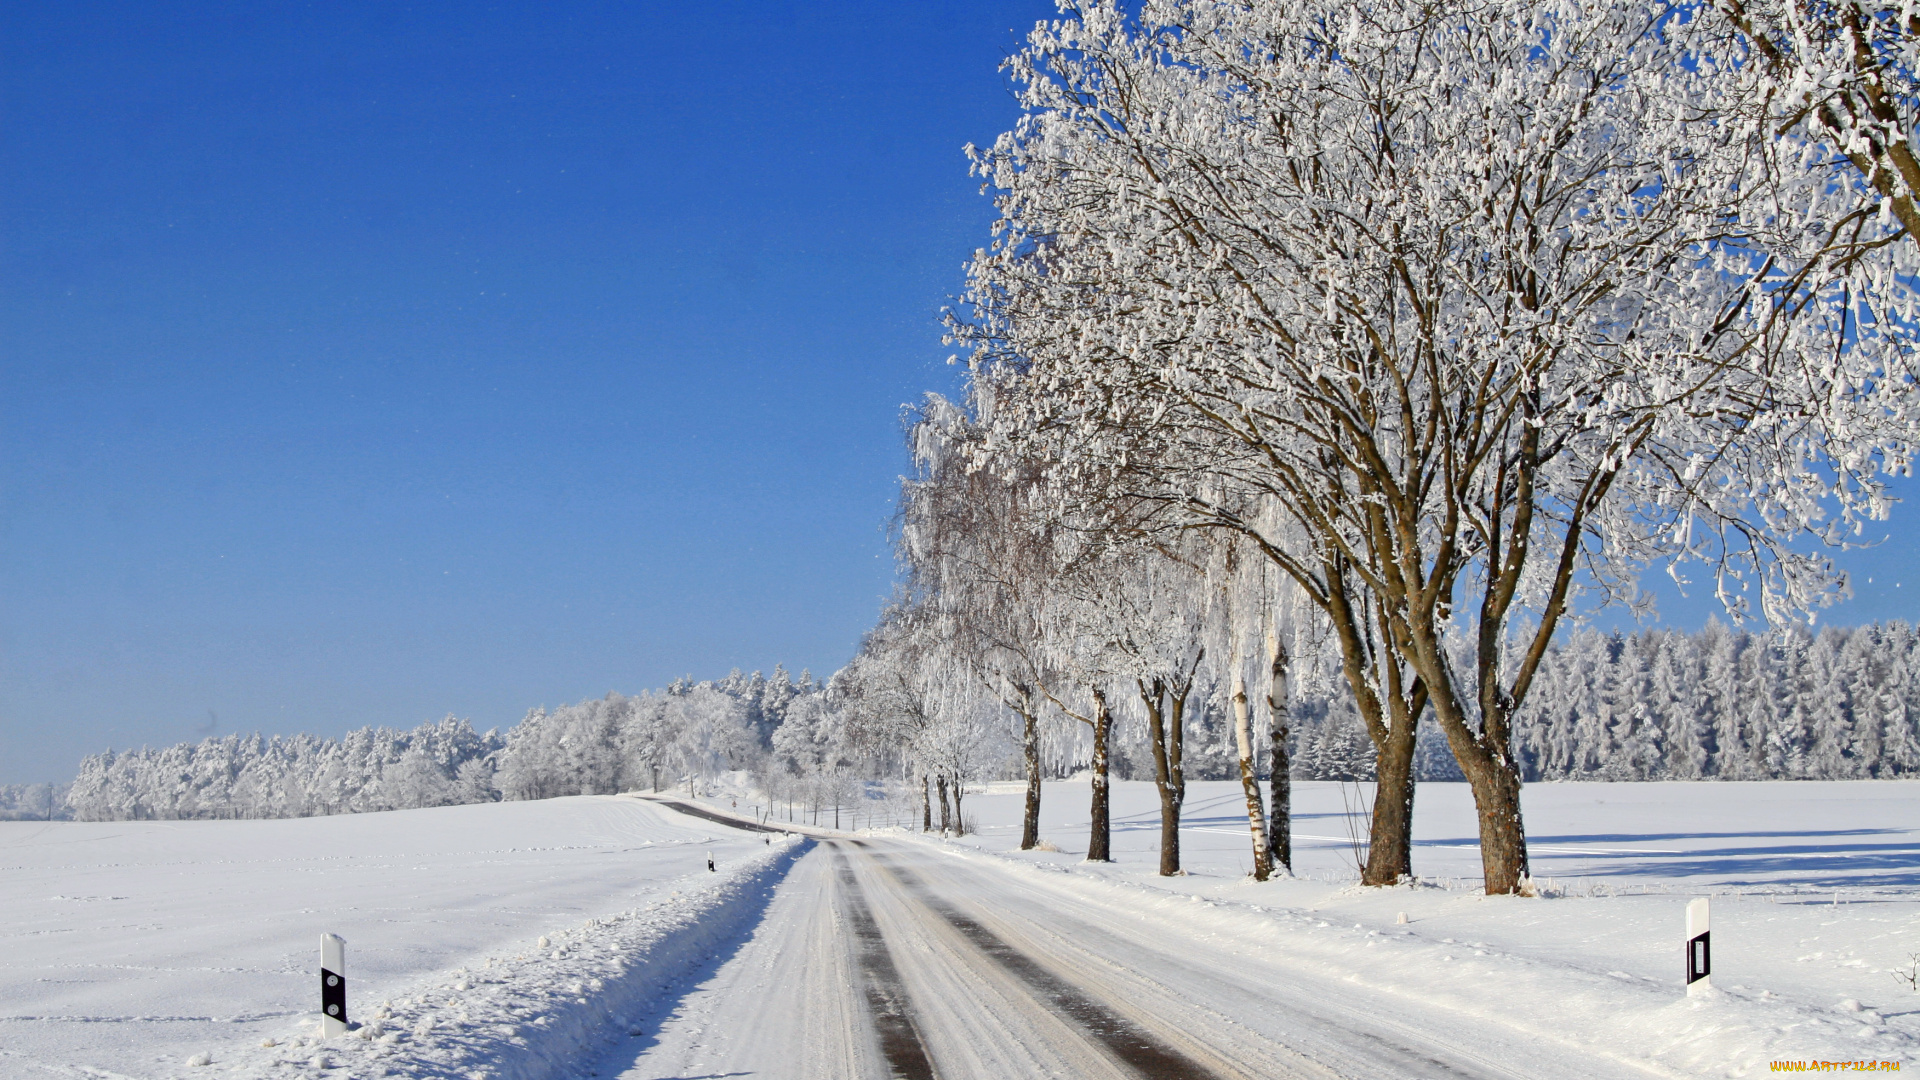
(360, 364)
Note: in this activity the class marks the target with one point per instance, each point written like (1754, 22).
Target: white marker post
(333, 986)
(1699, 951)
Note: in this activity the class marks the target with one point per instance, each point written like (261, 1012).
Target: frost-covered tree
(35, 802)
(984, 552)
(1159, 605)
(1839, 76)
(1452, 310)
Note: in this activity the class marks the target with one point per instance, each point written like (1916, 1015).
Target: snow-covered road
(883, 957)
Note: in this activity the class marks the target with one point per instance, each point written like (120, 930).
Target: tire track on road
(1148, 1056)
(1242, 1012)
(886, 993)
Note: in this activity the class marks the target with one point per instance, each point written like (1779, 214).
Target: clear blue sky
(363, 363)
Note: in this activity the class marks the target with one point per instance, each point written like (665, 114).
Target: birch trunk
(1030, 747)
(1249, 780)
(1164, 723)
(1280, 765)
(1099, 839)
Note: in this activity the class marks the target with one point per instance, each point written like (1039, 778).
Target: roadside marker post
(1699, 949)
(333, 985)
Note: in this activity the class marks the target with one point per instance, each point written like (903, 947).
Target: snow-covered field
(131, 948)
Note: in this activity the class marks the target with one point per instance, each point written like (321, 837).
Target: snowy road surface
(887, 958)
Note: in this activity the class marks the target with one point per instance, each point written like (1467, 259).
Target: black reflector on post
(333, 985)
(1699, 947)
(1699, 960)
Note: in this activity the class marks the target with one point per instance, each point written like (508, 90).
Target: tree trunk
(1503, 837)
(1280, 794)
(1099, 840)
(1389, 845)
(1280, 765)
(1389, 708)
(959, 822)
(1495, 780)
(946, 812)
(1153, 696)
(1164, 729)
(1030, 746)
(1249, 780)
(1485, 756)
(926, 806)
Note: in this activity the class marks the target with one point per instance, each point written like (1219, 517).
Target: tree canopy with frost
(1455, 310)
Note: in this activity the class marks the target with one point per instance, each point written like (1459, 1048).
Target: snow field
(133, 949)
(1814, 887)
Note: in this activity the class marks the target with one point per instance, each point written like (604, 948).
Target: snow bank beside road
(1498, 989)
(1814, 901)
(525, 1014)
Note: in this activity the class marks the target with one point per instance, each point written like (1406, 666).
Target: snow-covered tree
(1838, 76)
(983, 552)
(1452, 310)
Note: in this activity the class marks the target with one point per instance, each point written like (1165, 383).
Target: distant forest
(1720, 704)
(34, 802)
(600, 746)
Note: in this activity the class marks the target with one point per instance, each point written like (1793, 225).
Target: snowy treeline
(1719, 704)
(250, 776)
(34, 802)
(1654, 705)
(1722, 704)
(686, 731)
(609, 744)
